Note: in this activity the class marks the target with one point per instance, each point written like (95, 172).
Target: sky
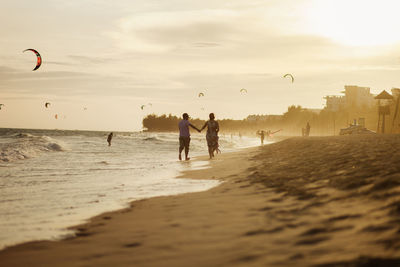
(103, 60)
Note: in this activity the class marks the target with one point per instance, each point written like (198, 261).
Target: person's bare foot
(180, 157)
(187, 159)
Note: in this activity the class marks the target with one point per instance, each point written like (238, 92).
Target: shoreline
(299, 202)
(81, 230)
(197, 163)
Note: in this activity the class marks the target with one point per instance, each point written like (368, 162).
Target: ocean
(53, 179)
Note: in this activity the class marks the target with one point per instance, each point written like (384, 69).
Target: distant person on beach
(110, 136)
(308, 129)
(212, 135)
(261, 133)
(184, 135)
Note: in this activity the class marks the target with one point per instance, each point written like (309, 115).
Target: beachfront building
(334, 102)
(355, 97)
(358, 97)
(395, 92)
(357, 102)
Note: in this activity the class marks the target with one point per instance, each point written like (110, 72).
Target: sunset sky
(112, 57)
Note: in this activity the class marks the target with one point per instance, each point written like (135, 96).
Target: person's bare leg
(210, 152)
(180, 152)
(186, 153)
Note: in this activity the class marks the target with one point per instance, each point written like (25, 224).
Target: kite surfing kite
(47, 104)
(1, 105)
(243, 90)
(289, 75)
(201, 94)
(143, 106)
(38, 57)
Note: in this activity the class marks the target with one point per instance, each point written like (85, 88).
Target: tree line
(291, 122)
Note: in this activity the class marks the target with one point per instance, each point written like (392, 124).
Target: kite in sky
(143, 106)
(38, 58)
(243, 90)
(289, 75)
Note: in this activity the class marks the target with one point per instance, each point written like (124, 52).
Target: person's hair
(212, 116)
(185, 115)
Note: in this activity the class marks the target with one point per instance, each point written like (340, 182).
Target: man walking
(184, 135)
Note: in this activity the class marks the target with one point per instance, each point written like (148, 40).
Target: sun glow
(356, 22)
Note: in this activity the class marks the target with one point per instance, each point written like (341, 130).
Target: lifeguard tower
(384, 101)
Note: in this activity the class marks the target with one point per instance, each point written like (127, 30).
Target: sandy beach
(317, 201)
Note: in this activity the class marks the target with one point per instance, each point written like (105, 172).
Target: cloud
(9, 74)
(165, 31)
(5, 71)
(88, 60)
(58, 63)
(205, 44)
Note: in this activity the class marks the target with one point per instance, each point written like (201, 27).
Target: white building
(335, 102)
(358, 97)
(355, 97)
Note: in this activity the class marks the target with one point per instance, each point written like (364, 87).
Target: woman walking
(212, 135)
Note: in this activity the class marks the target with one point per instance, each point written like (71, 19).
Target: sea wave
(25, 145)
(151, 139)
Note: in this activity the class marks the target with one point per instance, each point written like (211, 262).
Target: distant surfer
(109, 138)
(184, 135)
(212, 135)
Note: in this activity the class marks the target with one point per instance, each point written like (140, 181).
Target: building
(358, 97)
(355, 97)
(334, 102)
(395, 92)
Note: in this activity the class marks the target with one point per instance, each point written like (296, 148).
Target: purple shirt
(184, 128)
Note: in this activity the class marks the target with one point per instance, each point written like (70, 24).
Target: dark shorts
(184, 141)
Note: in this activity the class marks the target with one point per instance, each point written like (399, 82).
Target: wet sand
(317, 201)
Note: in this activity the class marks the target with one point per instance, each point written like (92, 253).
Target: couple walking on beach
(211, 136)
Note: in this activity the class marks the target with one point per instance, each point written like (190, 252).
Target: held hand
(199, 130)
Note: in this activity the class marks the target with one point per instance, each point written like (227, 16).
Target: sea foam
(24, 146)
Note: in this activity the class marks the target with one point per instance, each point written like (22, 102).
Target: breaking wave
(24, 146)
